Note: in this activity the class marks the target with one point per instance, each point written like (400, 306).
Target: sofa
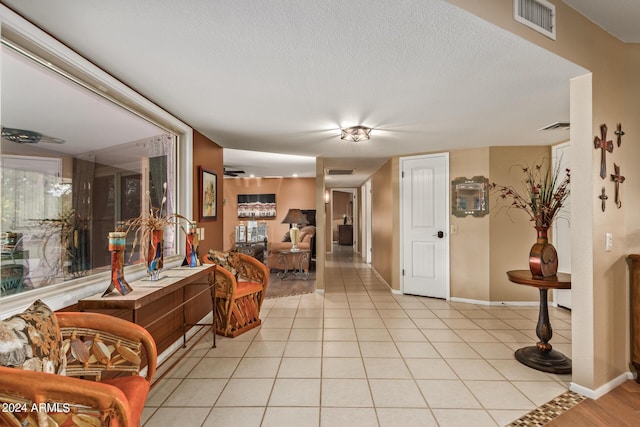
(306, 241)
(70, 368)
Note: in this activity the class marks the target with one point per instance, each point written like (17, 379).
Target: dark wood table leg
(542, 356)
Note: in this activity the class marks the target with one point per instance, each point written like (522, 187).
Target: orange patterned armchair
(241, 283)
(41, 352)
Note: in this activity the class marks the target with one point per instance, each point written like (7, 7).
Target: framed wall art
(208, 195)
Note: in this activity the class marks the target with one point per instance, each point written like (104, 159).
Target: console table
(158, 305)
(542, 356)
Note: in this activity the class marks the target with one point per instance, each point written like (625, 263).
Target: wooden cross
(618, 179)
(604, 198)
(604, 146)
(619, 132)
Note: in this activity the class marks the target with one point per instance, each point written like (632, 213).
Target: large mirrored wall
(74, 165)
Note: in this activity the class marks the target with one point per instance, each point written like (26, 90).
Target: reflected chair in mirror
(240, 285)
(76, 368)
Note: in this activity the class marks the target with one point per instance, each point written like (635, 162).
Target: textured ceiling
(283, 77)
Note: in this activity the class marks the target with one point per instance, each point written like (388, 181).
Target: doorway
(424, 225)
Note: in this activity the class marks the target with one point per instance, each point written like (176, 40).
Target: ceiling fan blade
(23, 136)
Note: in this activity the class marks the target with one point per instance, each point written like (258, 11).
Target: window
(74, 165)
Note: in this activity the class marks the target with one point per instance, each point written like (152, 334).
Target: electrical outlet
(608, 242)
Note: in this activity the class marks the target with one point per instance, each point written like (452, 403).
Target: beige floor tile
(455, 350)
(272, 334)
(346, 393)
(511, 336)
(396, 394)
(492, 350)
(290, 417)
(282, 312)
(456, 324)
(448, 313)
(516, 371)
(491, 324)
(306, 334)
(420, 313)
(499, 395)
(400, 324)
(379, 349)
(340, 349)
(182, 369)
(382, 367)
(337, 312)
(462, 417)
(196, 392)
(441, 335)
(429, 323)
(371, 334)
(171, 417)
(218, 367)
(368, 323)
(257, 367)
(277, 323)
(348, 417)
(361, 304)
(474, 369)
(339, 334)
(365, 313)
(540, 392)
(246, 392)
(266, 349)
(300, 367)
(407, 335)
(338, 322)
(393, 314)
(448, 394)
(308, 322)
(236, 417)
(417, 350)
(506, 416)
(310, 313)
(161, 390)
(435, 304)
(147, 412)
(475, 335)
(476, 314)
(303, 349)
(436, 369)
(229, 349)
(343, 367)
(405, 417)
(295, 392)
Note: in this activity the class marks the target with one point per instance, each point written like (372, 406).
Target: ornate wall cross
(604, 198)
(604, 146)
(618, 179)
(619, 132)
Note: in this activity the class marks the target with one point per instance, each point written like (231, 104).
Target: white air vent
(339, 171)
(557, 126)
(537, 14)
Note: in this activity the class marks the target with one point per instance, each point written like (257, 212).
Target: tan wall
(511, 234)
(383, 255)
(290, 193)
(469, 249)
(600, 327)
(207, 154)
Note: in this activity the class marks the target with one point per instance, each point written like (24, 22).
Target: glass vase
(117, 241)
(191, 258)
(155, 255)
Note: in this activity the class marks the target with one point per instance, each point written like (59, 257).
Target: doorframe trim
(447, 269)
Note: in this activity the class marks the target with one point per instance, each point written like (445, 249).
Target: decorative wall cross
(618, 179)
(604, 198)
(619, 132)
(604, 146)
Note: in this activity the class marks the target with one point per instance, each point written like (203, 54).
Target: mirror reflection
(73, 165)
(470, 196)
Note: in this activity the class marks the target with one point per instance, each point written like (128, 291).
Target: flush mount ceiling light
(355, 133)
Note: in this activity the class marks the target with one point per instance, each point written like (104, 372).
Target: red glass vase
(543, 258)
(117, 241)
(155, 255)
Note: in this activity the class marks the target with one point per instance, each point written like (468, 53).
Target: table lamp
(294, 217)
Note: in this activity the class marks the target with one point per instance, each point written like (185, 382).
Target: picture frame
(208, 195)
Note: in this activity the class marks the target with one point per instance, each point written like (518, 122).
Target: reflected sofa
(306, 237)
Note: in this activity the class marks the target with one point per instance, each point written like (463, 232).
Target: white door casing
(562, 226)
(424, 225)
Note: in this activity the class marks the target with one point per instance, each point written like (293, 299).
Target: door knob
(439, 234)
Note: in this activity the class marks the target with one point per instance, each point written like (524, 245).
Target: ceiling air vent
(557, 126)
(339, 171)
(537, 14)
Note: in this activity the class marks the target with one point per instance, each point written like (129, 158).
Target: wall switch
(201, 233)
(608, 242)
(454, 229)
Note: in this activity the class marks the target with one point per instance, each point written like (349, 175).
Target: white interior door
(562, 227)
(424, 225)
(366, 221)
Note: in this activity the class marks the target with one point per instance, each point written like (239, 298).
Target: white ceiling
(283, 77)
(620, 18)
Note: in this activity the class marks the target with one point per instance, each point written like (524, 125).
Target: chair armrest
(125, 335)
(254, 270)
(29, 387)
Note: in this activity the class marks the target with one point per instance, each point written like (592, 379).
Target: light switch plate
(608, 242)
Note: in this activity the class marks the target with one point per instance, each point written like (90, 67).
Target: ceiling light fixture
(356, 133)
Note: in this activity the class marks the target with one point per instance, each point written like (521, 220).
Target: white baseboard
(320, 291)
(603, 389)
(497, 303)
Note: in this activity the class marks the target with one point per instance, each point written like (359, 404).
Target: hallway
(361, 356)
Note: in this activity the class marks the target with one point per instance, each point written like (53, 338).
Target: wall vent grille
(339, 171)
(539, 15)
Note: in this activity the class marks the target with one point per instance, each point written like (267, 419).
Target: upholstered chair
(70, 368)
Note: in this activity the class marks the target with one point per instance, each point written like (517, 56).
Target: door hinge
(402, 174)
(403, 271)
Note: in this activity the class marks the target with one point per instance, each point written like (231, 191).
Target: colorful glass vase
(155, 255)
(117, 242)
(191, 258)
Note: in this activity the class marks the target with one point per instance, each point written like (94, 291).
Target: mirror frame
(460, 209)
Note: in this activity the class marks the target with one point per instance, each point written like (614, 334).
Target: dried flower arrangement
(544, 192)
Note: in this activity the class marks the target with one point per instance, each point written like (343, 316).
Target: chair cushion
(136, 388)
(32, 340)
(247, 288)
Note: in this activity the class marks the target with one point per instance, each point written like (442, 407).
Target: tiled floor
(362, 356)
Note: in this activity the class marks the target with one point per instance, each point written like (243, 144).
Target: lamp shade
(294, 216)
